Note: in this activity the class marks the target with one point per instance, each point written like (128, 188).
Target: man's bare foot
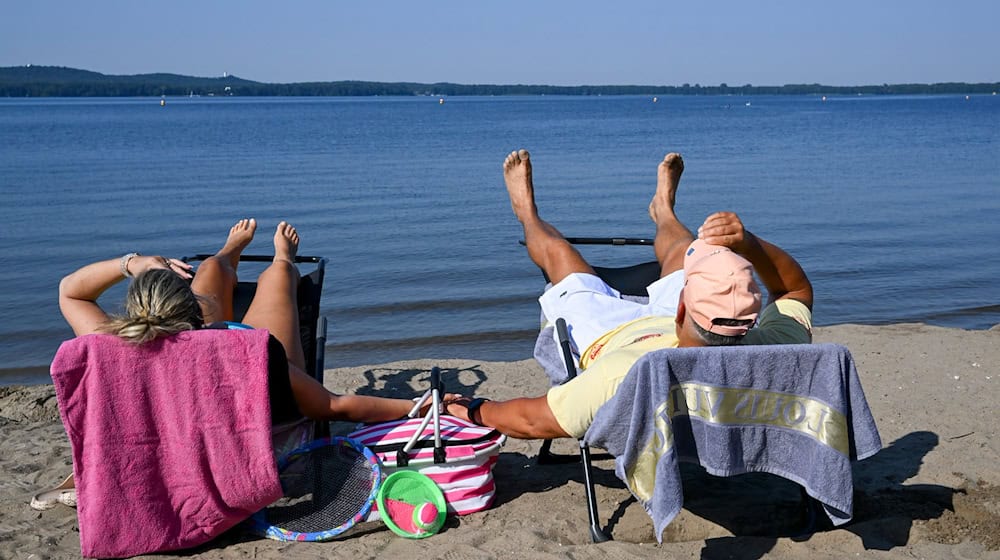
(286, 242)
(240, 235)
(668, 177)
(517, 176)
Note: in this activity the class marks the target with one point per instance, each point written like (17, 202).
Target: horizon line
(227, 75)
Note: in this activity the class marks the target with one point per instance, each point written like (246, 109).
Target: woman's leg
(215, 279)
(275, 305)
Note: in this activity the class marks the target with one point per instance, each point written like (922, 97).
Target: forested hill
(57, 81)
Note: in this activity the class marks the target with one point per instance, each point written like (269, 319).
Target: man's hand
(445, 400)
(726, 230)
(525, 418)
(457, 406)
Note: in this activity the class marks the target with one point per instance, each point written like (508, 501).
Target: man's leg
(275, 305)
(672, 237)
(546, 246)
(215, 279)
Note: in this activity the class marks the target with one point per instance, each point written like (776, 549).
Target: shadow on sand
(884, 508)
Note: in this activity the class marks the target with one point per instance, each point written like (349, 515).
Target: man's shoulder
(786, 321)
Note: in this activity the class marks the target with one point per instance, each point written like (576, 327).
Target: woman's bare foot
(668, 177)
(240, 235)
(517, 176)
(286, 242)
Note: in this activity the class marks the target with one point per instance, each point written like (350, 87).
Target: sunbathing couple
(706, 295)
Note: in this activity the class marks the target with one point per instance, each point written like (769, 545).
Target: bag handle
(434, 393)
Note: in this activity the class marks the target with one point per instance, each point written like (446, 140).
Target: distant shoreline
(57, 81)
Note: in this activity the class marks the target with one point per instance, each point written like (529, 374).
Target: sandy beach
(932, 492)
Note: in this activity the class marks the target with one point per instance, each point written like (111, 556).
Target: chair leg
(322, 428)
(813, 518)
(595, 528)
(547, 457)
(596, 533)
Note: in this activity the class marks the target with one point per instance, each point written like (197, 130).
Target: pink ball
(425, 516)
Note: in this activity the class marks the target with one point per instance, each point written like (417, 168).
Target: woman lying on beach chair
(160, 302)
(170, 409)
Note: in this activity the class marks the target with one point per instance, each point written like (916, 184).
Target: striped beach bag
(462, 465)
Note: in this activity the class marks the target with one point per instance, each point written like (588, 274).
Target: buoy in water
(655, 100)
(824, 98)
(441, 101)
(163, 102)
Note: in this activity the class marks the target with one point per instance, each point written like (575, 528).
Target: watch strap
(474, 405)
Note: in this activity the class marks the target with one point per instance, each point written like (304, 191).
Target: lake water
(890, 203)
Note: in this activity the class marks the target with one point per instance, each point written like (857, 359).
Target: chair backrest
(629, 280)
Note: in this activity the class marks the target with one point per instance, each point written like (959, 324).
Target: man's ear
(681, 314)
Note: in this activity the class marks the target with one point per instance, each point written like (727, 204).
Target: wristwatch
(474, 405)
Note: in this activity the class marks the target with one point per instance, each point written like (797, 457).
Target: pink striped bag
(462, 467)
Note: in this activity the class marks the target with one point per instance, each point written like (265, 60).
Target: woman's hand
(139, 264)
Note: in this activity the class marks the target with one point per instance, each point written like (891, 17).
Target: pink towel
(171, 439)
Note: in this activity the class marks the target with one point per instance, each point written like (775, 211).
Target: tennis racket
(329, 486)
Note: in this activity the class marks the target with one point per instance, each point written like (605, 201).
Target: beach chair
(631, 281)
(312, 331)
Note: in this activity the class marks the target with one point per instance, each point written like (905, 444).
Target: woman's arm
(316, 402)
(79, 291)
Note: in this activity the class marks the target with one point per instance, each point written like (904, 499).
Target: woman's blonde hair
(157, 303)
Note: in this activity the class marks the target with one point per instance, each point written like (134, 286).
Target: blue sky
(646, 42)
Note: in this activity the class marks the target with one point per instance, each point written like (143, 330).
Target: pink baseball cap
(719, 284)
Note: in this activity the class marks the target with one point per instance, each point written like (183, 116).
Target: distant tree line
(55, 81)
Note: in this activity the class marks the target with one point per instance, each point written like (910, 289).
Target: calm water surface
(890, 203)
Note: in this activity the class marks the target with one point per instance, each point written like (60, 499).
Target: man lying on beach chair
(706, 296)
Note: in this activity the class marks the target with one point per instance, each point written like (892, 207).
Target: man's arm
(780, 272)
(523, 418)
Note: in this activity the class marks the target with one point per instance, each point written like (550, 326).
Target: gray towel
(797, 411)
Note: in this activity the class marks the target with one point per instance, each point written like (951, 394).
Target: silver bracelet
(124, 263)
